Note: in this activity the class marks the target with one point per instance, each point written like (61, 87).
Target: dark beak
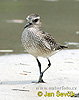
(27, 25)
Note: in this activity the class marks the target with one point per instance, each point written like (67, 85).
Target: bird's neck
(36, 27)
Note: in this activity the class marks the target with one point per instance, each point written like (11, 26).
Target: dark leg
(39, 64)
(49, 64)
(41, 73)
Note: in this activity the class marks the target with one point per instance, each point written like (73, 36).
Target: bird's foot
(40, 78)
(41, 81)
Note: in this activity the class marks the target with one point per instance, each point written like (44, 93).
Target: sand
(18, 71)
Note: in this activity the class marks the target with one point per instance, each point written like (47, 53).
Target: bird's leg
(41, 73)
(39, 64)
(49, 64)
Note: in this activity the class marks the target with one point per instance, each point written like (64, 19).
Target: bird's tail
(59, 47)
(62, 47)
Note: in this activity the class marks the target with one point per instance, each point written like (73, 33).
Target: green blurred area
(60, 19)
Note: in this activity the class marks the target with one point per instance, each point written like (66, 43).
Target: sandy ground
(17, 72)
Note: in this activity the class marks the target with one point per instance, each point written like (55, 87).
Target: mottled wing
(50, 43)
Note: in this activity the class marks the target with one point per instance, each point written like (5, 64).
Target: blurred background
(60, 18)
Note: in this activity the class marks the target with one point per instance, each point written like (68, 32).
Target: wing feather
(49, 41)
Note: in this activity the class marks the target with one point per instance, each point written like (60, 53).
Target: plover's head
(33, 19)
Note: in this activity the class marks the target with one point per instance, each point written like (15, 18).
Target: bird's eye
(35, 20)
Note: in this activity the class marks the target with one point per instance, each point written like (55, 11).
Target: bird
(38, 42)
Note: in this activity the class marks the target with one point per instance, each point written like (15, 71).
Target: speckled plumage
(36, 41)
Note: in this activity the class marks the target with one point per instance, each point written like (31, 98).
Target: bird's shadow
(16, 82)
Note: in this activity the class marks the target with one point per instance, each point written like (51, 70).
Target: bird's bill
(27, 25)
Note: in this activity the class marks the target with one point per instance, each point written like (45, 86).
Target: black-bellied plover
(38, 43)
